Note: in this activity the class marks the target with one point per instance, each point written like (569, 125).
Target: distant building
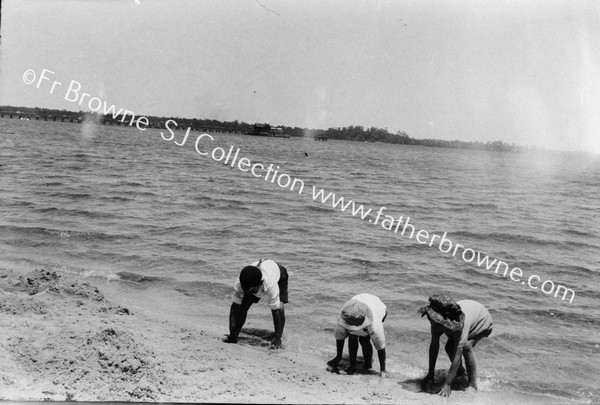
(261, 130)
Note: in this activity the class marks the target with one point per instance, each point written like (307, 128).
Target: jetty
(39, 117)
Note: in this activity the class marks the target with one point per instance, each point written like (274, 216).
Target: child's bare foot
(350, 370)
(471, 388)
(230, 339)
(334, 362)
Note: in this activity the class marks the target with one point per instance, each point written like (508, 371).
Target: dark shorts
(475, 338)
(283, 288)
(283, 284)
(483, 334)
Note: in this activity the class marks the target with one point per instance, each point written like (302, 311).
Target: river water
(118, 204)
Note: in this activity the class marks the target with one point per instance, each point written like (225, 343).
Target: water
(104, 201)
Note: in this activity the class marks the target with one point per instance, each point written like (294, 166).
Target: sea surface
(126, 206)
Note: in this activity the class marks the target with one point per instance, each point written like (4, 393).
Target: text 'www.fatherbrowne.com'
(273, 174)
(403, 227)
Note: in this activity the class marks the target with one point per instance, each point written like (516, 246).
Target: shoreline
(231, 127)
(66, 339)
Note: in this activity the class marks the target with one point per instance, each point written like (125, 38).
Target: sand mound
(108, 362)
(67, 339)
(42, 280)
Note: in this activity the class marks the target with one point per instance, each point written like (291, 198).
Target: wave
(319, 208)
(575, 270)
(131, 184)
(19, 204)
(138, 193)
(82, 155)
(473, 206)
(200, 288)
(577, 232)
(138, 278)
(181, 230)
(75, 196)
(505, 237)
(116, 198)
(76, 212)
(573, 244)
(62, 233)
(563, 393)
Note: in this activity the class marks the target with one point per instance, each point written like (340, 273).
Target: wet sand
(65, 339)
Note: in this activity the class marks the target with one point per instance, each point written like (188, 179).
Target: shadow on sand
(345, 363)
(414, 385)
(255, 337)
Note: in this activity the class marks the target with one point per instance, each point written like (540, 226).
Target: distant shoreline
(350, 133)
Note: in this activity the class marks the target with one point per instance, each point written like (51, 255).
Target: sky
(524, 72)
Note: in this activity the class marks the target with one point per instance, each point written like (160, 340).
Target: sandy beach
(64, 339)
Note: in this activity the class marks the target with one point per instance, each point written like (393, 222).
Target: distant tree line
(373, 134)
(38, 111)
(351, 133)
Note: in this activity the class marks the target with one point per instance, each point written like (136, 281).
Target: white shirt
(270, 287)
(477, 320)
(375, 329)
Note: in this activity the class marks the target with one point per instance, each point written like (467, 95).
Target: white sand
(62, 339)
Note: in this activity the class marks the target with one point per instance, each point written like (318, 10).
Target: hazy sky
(526, 72)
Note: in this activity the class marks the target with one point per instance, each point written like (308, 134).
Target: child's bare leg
(352, 350)
(450, 352)
(469, 355)
(367, 349)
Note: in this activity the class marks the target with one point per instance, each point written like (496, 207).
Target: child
(262, 278)
(361, 320)
(464, 323)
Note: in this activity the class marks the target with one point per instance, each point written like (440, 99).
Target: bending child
(465, 323)
(361, 320)
(264, 277)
